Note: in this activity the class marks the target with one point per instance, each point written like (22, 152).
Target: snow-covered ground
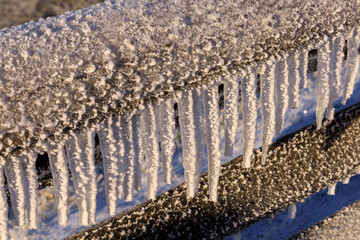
(50, 229)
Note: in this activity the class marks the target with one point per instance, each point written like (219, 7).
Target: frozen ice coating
(248, 97)
(322, 82)
(231, 97)
(167, 135)
(346, 180)
(119, 153)
(292, 211)
(126, 127)
(212, 135)
(294, 79)
(281, 93)
(151, 149)
(108, 149)
(267, 88)
(331, 189)
(187, 131)
(352, 65)
(303, 67)
(59, 170)
(138, 150)
(3, 204)
(336, 63)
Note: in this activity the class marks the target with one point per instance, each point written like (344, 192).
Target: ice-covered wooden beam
(71, 72)
(298, 165)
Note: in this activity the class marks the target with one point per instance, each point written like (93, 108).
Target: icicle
(198, 116)
(267, 82)
(31, 186)
(119, 153)
(86, 144)
(352, 65)
(346, 180)
(294, 79)
(292, 211)
(15, 174)
(126, 127)
(248, 97)
(281, 94)
(77, 167)
(303, 67)
(3, 205)
(167, 133)
(60, 175)
(336, 58)
(138, 150)
(110, 163)
(151, 149)
(331, 189)
(187, 130)
(231, 94)
(322, 83)
(212, 133)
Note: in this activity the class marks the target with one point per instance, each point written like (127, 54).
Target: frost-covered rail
(298, 165)
(117, 68)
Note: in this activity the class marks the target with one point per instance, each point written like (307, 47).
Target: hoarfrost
(303, 67)
(138, 150)
(294, 79)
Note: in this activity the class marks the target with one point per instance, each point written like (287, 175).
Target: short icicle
(352, 65)
(336, 59)
(15, 174)
(249, 114)
(231, 102)
(167, 133)
(322, 83)
(138, 150)
(267, 84)
(212, 133)
(187, 131)
(86, 144)
(294, 79)
(3, 204)
(331, 189)
(151, 149)
(303, 67)
(108, 149)
(281, 93)
(127, 137)
(59, 169)
(292, 211)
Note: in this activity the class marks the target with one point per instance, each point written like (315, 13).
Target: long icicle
(352, 65)
(231, 102)
(77, 168)
(15, 174)
(212, 133)
(86, 143)
(127, 134)
(3, 204)
(248, 97)
(267, 81)
(119, 153)
(337, 45)
(187, 131)
(151, 147)
(198, 116)
(322, 83)
(60, 175)
(106, 139)
(138, 150)
(303, 67)
(167, 133)
(281, 93)
(294, 79)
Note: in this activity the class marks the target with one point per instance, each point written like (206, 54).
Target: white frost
(118, 153)
(138, 150)
(331, 189)
(248, 97)
(303, 67)
(294, 79)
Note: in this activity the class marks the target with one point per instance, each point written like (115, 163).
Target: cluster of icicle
(150, 133)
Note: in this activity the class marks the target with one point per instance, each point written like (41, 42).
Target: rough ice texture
(3, 204)
(331, 189)
(352, 65)
(118, 154)
(294, 79)
(303, 67)
(281, 93)
(231, 95)
(267, 88)
(248, 97)
(212, 135)
(138, 150)
(109, 56)
(336, 63)
(322, 82)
